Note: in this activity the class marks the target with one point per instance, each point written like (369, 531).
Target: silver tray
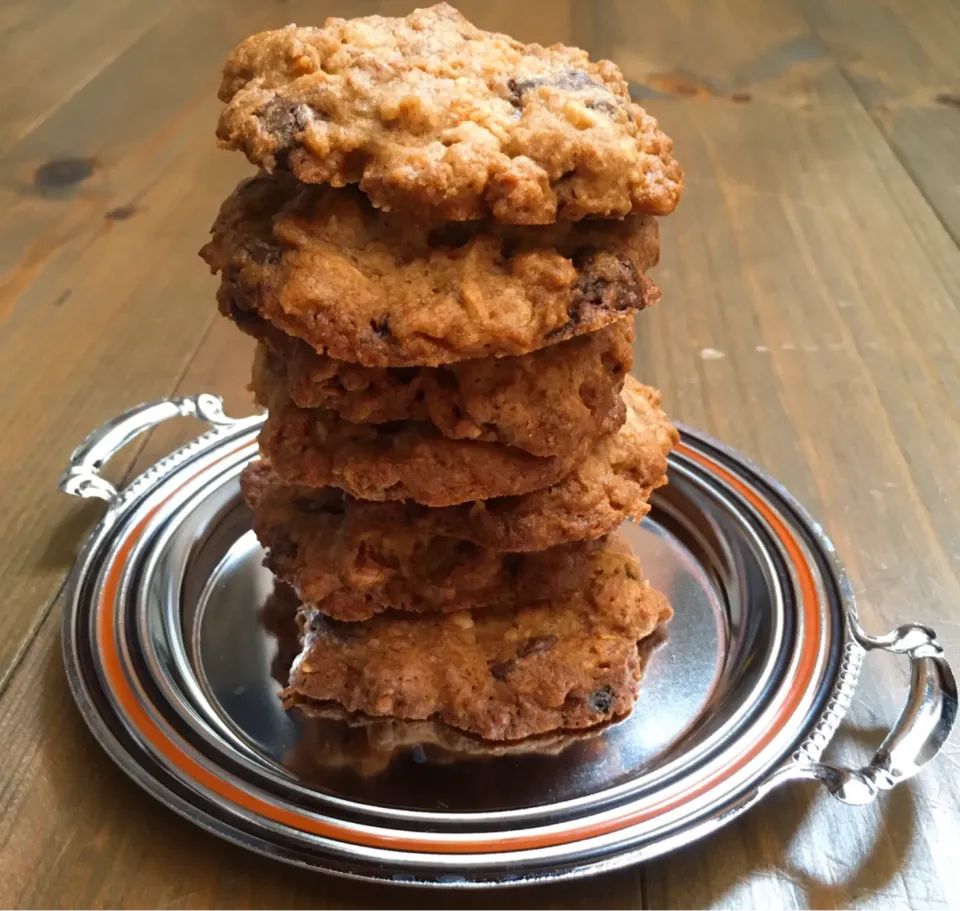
(172, 662)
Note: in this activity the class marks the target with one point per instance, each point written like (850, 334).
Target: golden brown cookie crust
(567, 663)
(430, 112)
(613, 483)
(407, 460)
(386, 290)
(544, 403)
(354, 577)
(352, 573)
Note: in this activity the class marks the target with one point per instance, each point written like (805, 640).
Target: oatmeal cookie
(611, 484)
(402, 460)
(543, 403)
(431, 113)
(395, 291)
(566, 663)
(352, 573)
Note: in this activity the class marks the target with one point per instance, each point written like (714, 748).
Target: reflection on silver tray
(170, 663)
(334, 745)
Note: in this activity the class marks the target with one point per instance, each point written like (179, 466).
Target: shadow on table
(832, 855)
(860, 866)
(70, 534)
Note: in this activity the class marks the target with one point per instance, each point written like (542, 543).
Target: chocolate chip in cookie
(430, 114)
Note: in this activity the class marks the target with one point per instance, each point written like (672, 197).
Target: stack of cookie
(441, 259)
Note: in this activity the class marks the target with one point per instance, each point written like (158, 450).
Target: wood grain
(76, 833)
(94, 271)
(811, 322)
(811, 284)
(52, 49)
(901, 59)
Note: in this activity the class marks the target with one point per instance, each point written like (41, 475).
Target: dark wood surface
(811, 285)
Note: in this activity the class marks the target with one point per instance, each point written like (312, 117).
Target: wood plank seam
(126, 477)
(904, 162)
(45, 115)
(844, 71)
(32, 634)
(132, 470)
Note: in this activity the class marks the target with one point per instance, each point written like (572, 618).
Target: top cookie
(431, 113)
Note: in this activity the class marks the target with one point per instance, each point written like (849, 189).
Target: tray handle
(919, 732)
(82, 475)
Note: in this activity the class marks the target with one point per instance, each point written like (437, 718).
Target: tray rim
(817, 734)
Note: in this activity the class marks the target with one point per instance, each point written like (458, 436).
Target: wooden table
(811, 285)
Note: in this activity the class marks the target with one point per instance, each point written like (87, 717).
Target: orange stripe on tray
(160, 741)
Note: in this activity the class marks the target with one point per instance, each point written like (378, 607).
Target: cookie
(397, 291)
(611, 484)
(403, 460)
(431, 113)
(544, 403)
(331, 739)
(352, 574)
(567, 663)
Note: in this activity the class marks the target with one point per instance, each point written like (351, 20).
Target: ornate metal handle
(82, 476)
(920, 731)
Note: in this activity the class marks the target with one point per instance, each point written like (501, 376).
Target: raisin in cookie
(611, 484)
(394, 291)
(431, 113)
(566, 663)
(352, 573)
(403, 460)
(543, 403)
(332, 738)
